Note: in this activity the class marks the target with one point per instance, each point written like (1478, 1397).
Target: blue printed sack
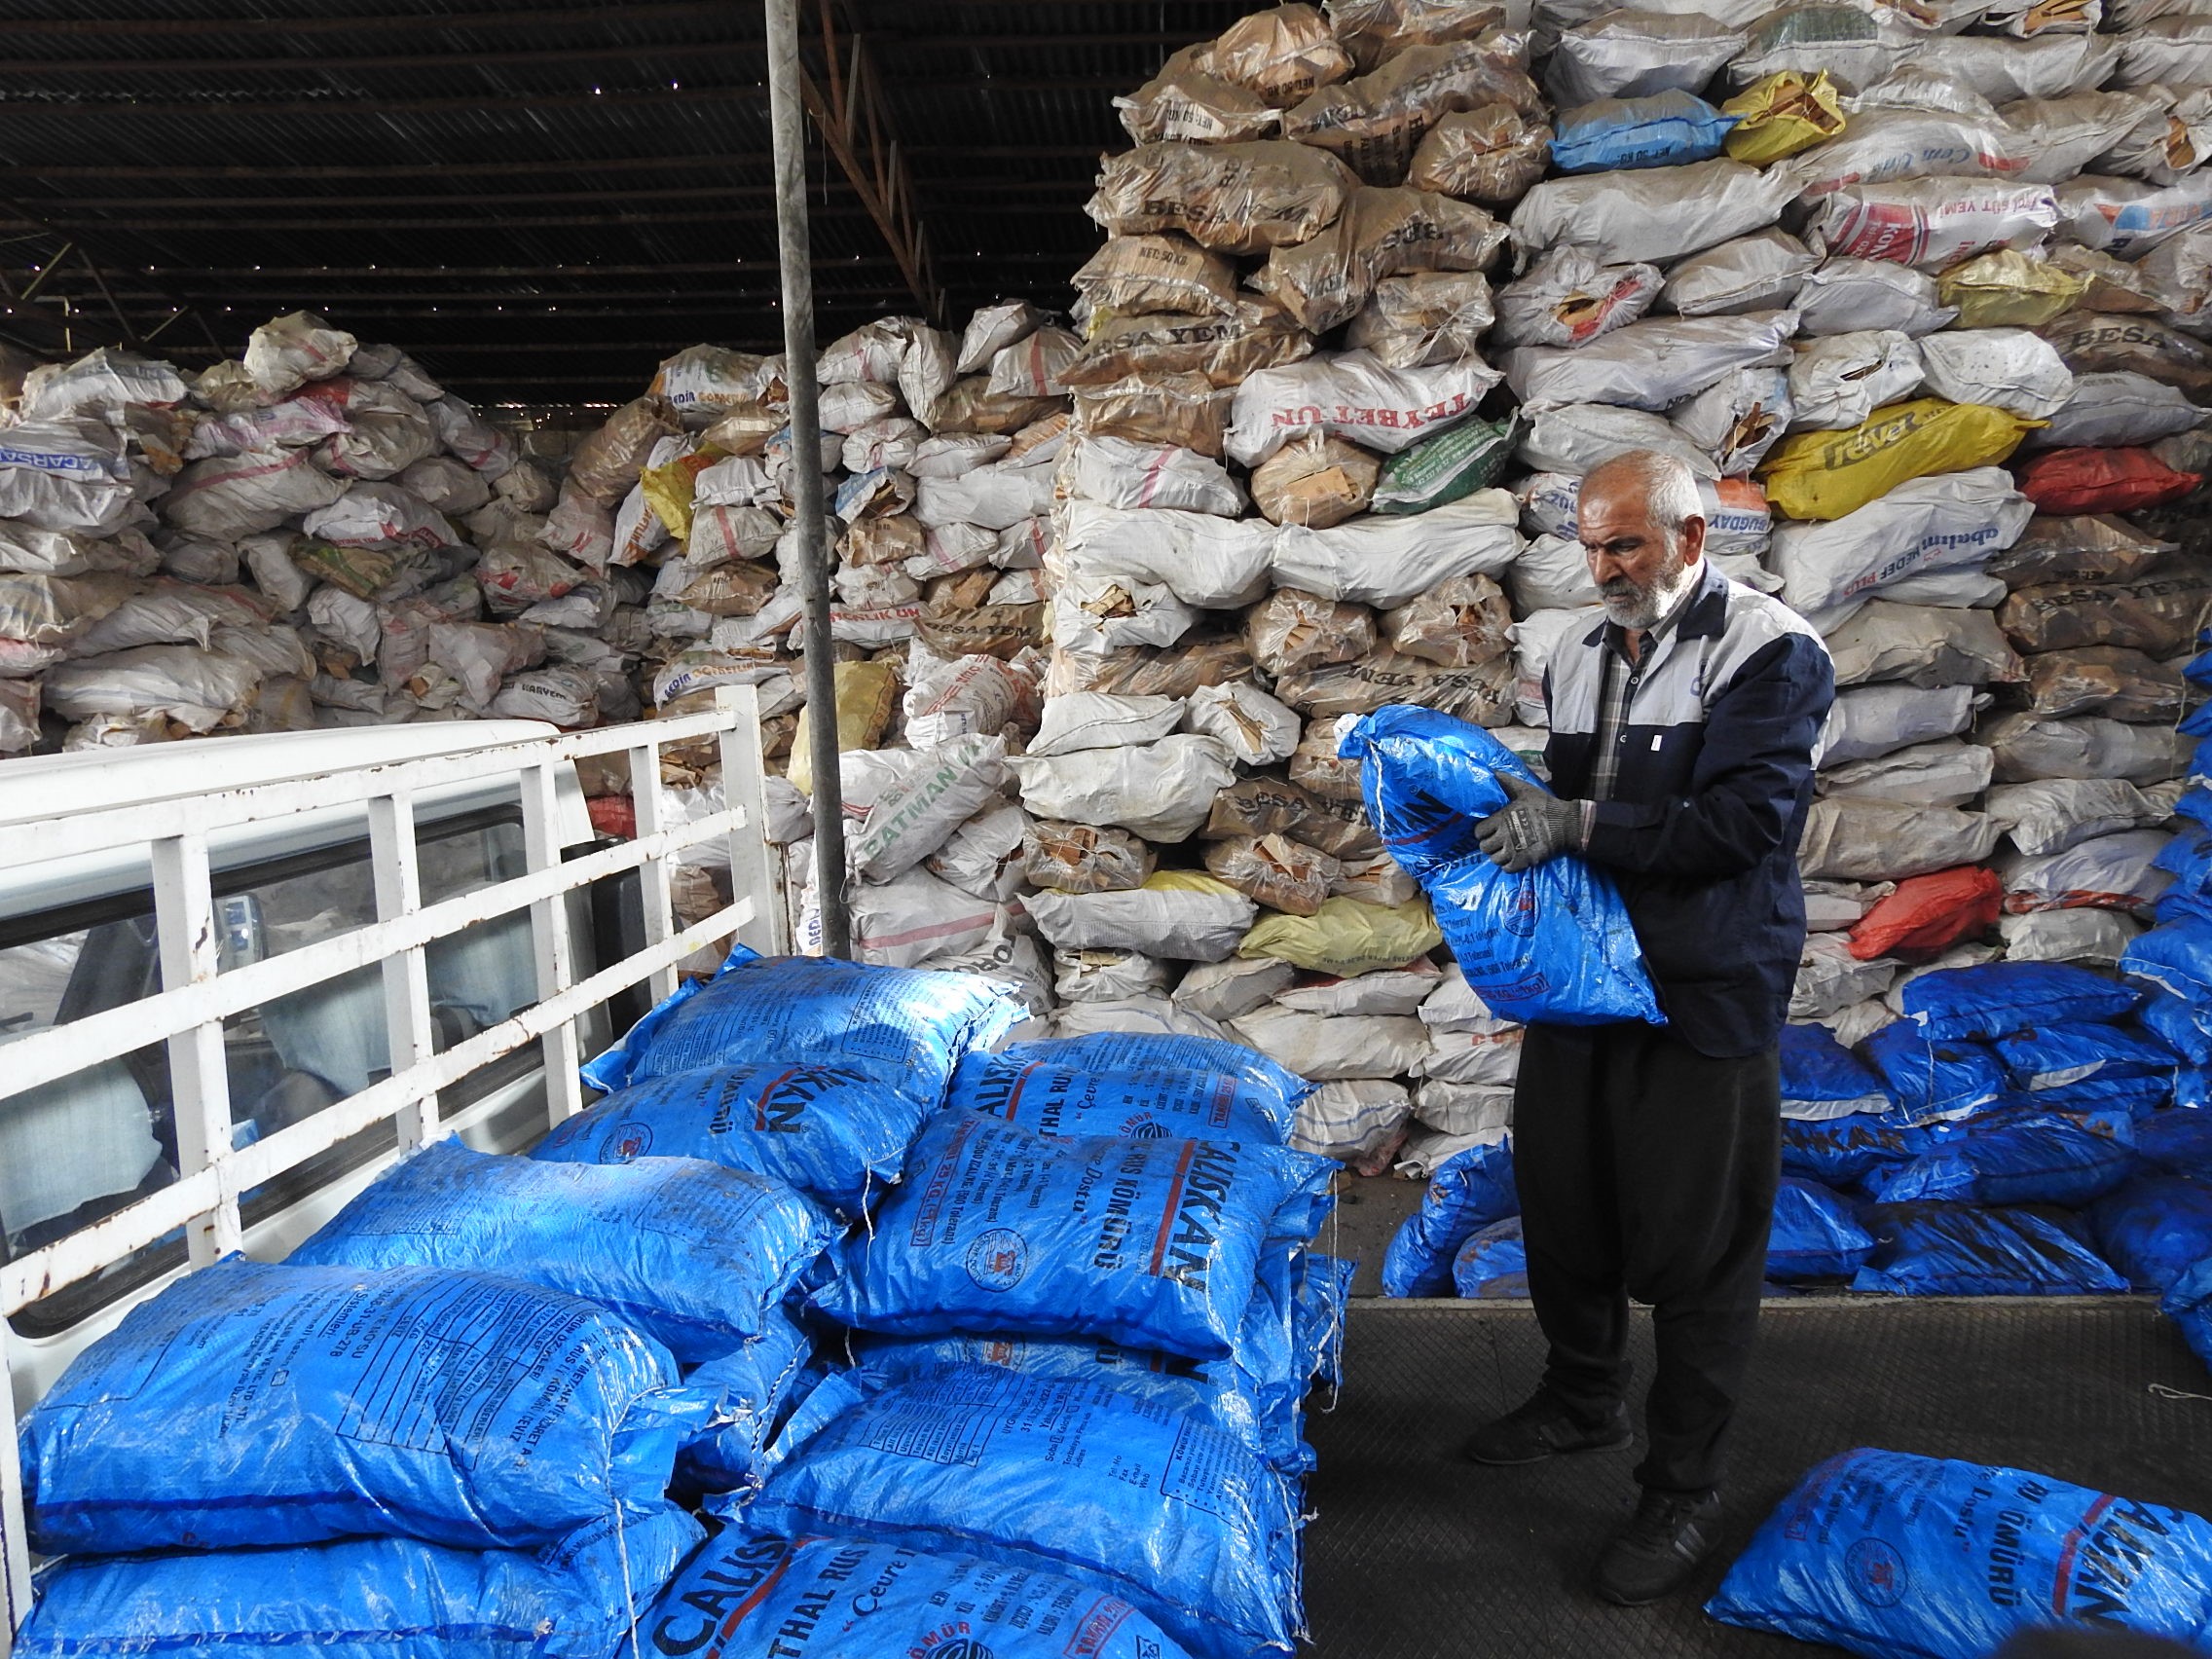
(1924, 1249)
(1323, 1287)
(1217, 1391)
(1999, 998)
(1815, 1234)
(1551, 944)
(1493, 1261)
(2136, 1097)
(837, 1133)
(908, 1026)
(252, 1404)
(2153, 1230)
(1469, 1189)
(1074, 1477)
(363, 1597)
(1849, 1152)
(996, 1231)
(2019, 1156)
(2054, 1057)
(1932, 1080)
(1667, 130)
(1187, 1087)
(749, 1391)
(844, 1597)
(1886, 1554)
(1823, 1078)
(2179, 1141)
(693, 1255)
(2176, 957)
(2189, 1305)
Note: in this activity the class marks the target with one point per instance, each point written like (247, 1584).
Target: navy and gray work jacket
(1715, 777)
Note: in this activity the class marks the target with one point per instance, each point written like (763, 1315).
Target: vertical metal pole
(753, 865)
(410, 1036)
(550, 939)
(787, 122)
(653, 881)
(200, 1079)
(15, 1546)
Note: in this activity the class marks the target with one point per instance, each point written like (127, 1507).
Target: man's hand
(1533, 826)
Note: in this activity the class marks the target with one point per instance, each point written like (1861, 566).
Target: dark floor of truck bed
(1416, 1555)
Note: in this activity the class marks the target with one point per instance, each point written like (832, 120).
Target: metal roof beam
(519, 57)
(449, 222)
(109, 109)
(420, 169)
(416, 21)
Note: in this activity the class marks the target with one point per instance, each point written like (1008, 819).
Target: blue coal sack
(1823, 1078)
(692, 1254)
(1072, 1477)
(2019, 1156)
(255, 1405)
(1552, 943)
(1999, 998)
(1931, 1250)
(363, 1598)
(1883, 1553)
(748, 1594)
(1150, 1243)
(1134, 1085)
(1815, 1234)
(2155, 1228)
(1468, 1190)
(836, 1133)
(908, 1026)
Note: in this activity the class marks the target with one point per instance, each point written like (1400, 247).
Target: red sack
(614, 815)
(2102, 481)
(1927, 914)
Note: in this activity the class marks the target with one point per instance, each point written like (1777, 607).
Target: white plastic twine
(2165, 1393)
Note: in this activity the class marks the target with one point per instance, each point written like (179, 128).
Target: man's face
(1640, 568)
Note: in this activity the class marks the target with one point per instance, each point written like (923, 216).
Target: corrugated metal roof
(538, 198)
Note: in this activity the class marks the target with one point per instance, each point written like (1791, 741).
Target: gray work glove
(1532, 827)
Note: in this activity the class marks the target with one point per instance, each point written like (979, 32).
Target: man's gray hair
(1666, 483)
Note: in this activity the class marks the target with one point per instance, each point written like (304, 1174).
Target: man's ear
(1693, 540)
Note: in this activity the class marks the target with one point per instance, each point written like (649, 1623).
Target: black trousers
(1648, 1169)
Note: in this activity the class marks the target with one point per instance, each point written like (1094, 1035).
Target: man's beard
(1637, 606)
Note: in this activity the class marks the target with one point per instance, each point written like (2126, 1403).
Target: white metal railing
(189, 1010)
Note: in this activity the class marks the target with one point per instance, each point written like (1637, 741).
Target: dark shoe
(1545, 1429)
(1654, 1554)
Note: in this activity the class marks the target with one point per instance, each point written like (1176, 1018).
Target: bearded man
(1682, 729)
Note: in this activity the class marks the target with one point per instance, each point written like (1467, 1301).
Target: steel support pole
(787, 121)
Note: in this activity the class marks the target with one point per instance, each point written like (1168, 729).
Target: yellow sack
(669, 489)
(1825, 475)
(2007, 289)
(1343, 937)
(1781, 115)
(865, 693)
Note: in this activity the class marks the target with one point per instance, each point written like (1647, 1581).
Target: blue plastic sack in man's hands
(363, 1597)
(1552, 943)
(747, 1594)
(994, 1229)
(1469, 1190)
(253, 1404)
(1888, 1554)
(1071, 1477)
(837, 1133)
(1996, 999)
(1155, 1086)
(908, 1026)
(1927, 1249)
(692, 1254)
